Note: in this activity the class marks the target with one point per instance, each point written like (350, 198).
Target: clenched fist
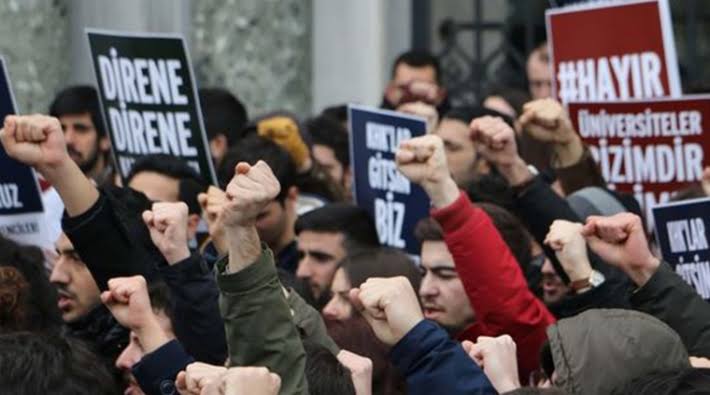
(621, 241)
(566, 239)
(249, 192)
(212, 203)
(35, 140)
(127, 299)
(167, 223)
(547, 121)
(389, 305)
(497, 357)
(423, 161)
(495, 140)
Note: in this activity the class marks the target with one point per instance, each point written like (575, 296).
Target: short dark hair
(190, 182)
(380, 262)
(253, 148)
(466, 114)
(688, 381)
(515, 97)
(29, 300)
(354, 222)
(339, 112)
(327, 131)
(324, 373)
(44, 363)
(160, 299)
(418, 58)
(79, 99)
(222, 113)
(427, 229)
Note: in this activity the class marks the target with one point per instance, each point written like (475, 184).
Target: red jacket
(494, 283)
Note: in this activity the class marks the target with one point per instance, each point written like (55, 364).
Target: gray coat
(602, 349)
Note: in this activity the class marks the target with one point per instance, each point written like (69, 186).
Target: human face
(339, 307)
(157, 187)
(553, 288)
(77, 290)
(442, 293)
(83, 142)
(404, 74)
(460, 150)
(275, 225)
(539, 78)
(325, 156)
(320, 253)
(135, 351)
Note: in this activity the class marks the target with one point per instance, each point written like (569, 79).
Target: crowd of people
(534, 277)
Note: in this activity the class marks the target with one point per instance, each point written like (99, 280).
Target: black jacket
(670, 299)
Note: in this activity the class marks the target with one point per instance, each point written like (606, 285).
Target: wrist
(516, 173)
(175, 255)
(568, 153)
(151, 334)
(507, 385)
(244, 247)
(641, 275)
(582, 273)
(57, 172)
(443, 193)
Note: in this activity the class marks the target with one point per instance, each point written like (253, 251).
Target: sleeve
(493, 280)
(670, 299)
(108, 245)
(582, 174)
(310, 322)
(434, 364)
(156, 372)
(197, 321)
(258, 323)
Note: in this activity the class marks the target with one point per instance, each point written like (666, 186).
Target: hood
(600, 349)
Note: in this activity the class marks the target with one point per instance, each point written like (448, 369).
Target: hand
(700, 362)
(422, 161)
(360, 370)
(283, 131)
(389, 305)
(566, 239)
(620, 241)
(249, 192)
(35, 140)
(200, 378)
(495, 140)
(547, 121)
(167, 223)
(127, 299)
(423, 110)
(251, 381)
(497, 357)
(706, 181)
(212, 204)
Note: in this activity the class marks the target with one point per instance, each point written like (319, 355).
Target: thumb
(242, 168)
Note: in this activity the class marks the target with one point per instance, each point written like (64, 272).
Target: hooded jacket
(601, 349)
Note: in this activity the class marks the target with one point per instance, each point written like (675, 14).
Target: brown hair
(380, 262)
(14, 299)
(427, 229)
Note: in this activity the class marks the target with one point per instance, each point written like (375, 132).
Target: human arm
(422, 351)
(259, 327)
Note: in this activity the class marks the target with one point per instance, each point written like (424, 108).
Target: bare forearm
(516, 173)
(244, 247)
(151, 336)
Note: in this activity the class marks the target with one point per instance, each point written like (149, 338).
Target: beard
(88, 164)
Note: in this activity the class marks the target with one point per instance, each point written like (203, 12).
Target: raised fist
(495, 140)
(35, 140)
(167, 223)
(422, 161)
(547, 121)
(251, 381)
(566, 239)
(249, 192)
(497, 357)
(360, 371)
(127, 299)
(212, 203)
(200, 378)
(620, 241)
(389, 305)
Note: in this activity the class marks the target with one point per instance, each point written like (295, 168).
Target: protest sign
(647, 148)
(395, 204)
(149, 99)
(682, 234)
(609, 51)
(20, 199)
